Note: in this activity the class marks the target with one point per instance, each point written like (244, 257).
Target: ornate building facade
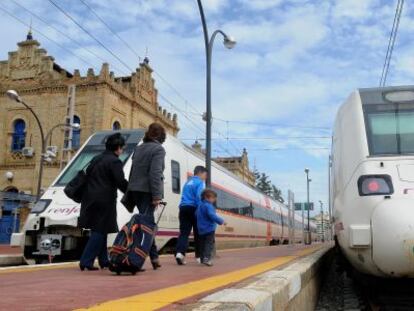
(238, 166)
(101, 102)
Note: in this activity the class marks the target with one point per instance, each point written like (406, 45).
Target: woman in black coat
(98, 207)
(146, 181)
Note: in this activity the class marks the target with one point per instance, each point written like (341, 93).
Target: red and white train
(252, 218)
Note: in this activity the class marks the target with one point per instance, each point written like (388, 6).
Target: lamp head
(229, 42)
(306, 170)
(9, 176)
(13, 95)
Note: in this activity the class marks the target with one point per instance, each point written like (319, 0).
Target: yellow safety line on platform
(38, 268)
(163, 297)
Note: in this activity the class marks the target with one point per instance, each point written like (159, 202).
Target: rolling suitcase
(132, 244)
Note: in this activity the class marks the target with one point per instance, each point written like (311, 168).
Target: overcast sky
(295, 62)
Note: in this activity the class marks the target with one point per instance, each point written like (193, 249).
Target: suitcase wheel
(118, 272)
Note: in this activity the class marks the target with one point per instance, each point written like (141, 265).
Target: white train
(253, 218)
(373, 180)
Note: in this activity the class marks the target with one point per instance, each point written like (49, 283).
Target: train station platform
(10, 256)
(65, 287)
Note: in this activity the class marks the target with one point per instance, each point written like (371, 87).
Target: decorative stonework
(238, 166)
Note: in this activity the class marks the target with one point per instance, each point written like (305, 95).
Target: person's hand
(156, 202)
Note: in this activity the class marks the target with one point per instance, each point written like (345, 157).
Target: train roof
(378, 95)
(131, 136)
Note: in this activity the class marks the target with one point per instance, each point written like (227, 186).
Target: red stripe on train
(175, 234)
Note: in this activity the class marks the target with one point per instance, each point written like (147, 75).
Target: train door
(9, 220)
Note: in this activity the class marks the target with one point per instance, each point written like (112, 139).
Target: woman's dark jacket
(147, 169)
(98, 207)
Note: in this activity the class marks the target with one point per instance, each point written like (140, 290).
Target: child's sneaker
(208, 263)
(180, 258)
(198, 260)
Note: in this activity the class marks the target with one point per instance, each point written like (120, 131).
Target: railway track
(390, 295)
(377, 294)
(351, 291)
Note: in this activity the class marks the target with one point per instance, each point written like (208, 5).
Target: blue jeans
(207, 242)
(188, 222)
(96, 247)
(143, 201)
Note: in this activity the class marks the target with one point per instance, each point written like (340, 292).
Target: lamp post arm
(51, 131)
(42, 135)
(211, 42)
(43, 145)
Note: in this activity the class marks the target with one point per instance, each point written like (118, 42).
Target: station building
(101, 102)
(238, 165)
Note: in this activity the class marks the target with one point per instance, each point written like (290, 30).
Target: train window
(390, 128)
(233, 204)
(175, 177)
(84, 157)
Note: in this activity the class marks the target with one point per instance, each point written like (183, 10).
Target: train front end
(374, 181)
(51, 230)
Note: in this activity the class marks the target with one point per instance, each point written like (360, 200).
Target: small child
(207, 221)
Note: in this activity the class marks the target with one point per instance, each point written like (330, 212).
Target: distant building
(238, 166)
(102, 102)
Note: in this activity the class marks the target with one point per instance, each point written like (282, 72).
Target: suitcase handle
(163, 204)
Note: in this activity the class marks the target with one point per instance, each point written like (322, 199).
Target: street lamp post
(13, 95)
(229, 43)
(322, 225)
(308, 232)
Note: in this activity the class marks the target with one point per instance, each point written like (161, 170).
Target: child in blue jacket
(207, 220)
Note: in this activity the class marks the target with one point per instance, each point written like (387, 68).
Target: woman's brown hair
(155, 132)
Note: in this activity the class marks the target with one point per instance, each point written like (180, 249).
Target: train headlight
(375, 185)
(46, 244)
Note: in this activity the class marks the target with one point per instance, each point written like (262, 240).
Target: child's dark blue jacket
(207, 219)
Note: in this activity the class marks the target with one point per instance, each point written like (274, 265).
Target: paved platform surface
(65, 287)
(8, 250)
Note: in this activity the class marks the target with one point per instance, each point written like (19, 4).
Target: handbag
(127, 199)
(75, 188)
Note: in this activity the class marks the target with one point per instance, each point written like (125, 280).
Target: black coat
(98, 207)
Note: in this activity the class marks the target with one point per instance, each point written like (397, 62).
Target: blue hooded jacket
(192, 192)
(207, 218)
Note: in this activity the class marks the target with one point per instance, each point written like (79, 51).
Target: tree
(264, 184)
(277, 194)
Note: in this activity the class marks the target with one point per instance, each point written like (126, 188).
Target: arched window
(19, 135)
(116, 126)
(11, 189)
(76, 133)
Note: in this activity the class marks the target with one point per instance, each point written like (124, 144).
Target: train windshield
(95, 146)
(390, 128)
